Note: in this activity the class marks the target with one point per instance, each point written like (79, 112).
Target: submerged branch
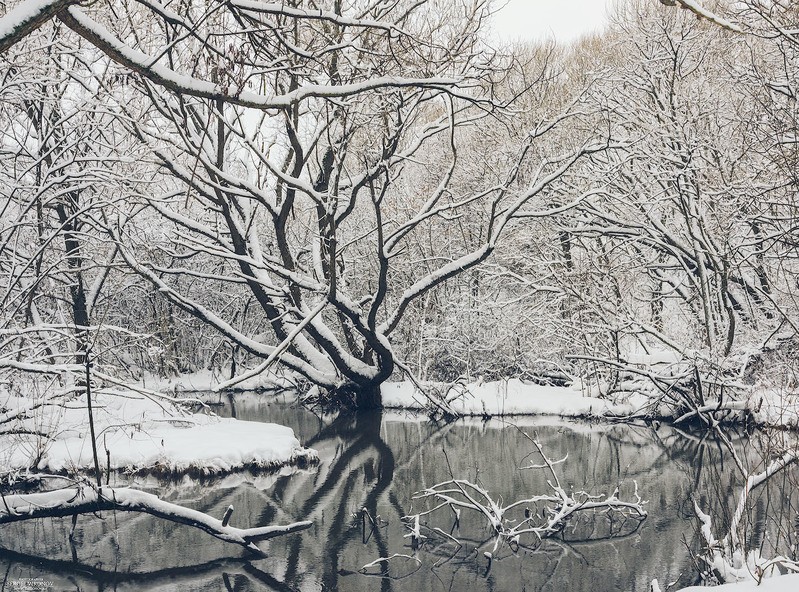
(544, 515)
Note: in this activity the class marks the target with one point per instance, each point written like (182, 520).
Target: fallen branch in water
(86, 498)
(384, 562)
(542, 515)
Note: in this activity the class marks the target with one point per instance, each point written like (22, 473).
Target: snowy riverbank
(136, 432)
(511, 397)
(766, 407)
(516, 397)
(787, 583)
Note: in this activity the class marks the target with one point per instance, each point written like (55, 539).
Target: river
(378, 461)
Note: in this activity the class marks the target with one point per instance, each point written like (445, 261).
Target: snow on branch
(282, 347)
(26, 17)
(146, 65)
(752, 481)
(39, 368)
(704, 13)
(196, 309)
(500, 217)
(86, 498)
(280, 9)
(728, 560)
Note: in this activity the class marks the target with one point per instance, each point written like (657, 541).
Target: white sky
(565, 20)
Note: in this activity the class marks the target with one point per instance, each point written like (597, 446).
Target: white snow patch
(652, 359)
(206, 380)
(23, 13)
(789, 583)
(142, 433)
(770, 407)
(512, 397)
(775, 407)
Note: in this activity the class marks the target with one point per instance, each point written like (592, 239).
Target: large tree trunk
(368, 397)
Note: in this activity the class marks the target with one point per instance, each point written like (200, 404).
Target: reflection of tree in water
(374, 463)
(117, 553)
(361, 470)
(360, 476)
(365, 455)
(716, 481)
(86, 577)
(364, 466)
(337, 536)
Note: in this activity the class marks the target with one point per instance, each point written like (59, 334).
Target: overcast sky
(535, 19)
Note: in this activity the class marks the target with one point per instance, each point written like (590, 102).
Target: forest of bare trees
(343, 193)
(378, 189)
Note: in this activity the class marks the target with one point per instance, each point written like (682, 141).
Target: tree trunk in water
(368, 397)
(356, 397)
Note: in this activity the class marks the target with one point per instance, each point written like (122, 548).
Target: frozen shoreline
(784, 583)
(515, 397)
(139, 433)
(764, 407)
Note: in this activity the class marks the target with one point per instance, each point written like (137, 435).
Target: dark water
(378, 461)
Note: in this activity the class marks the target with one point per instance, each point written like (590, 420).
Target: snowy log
(712, 408)
(85, 498)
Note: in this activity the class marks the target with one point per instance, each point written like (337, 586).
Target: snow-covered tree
(304, 153)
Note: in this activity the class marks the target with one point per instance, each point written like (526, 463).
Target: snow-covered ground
(516, 397)
(511, 397)
(140, 432)
(208, 380)
(774, 407)
(789, 583)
